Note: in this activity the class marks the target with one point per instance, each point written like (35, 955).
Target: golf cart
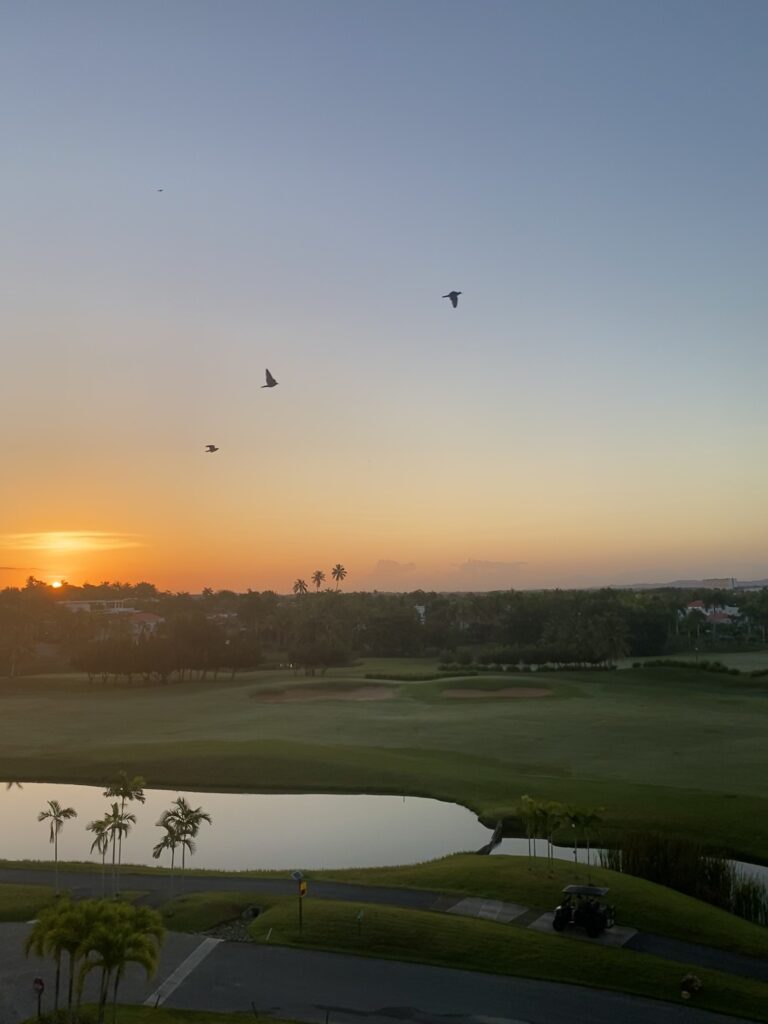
(582, 908)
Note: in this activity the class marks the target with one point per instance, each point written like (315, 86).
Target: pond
(267, 830)
(249, 830)
(519, 848)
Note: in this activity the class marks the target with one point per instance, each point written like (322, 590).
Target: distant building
(144, 623)
(116, 607)
(716, 614)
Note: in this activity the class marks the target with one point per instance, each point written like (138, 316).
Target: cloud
(19, 568)
(59, 541)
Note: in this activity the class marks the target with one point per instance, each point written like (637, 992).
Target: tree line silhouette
(201, 636)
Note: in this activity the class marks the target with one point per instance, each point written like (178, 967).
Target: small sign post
(302, 882)
(39, 986)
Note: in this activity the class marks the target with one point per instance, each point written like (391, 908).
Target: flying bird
(271, 382)
(454, 297)
(161, 190)
(211, 448)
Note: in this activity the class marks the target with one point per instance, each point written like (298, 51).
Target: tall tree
(40, 941)
(186, 822)
(122, 934)
(118, 823)
(339, 573)
(100, 829)
(170, 841)
(126, 790)
(318, 578)
(300, 587)
(56, 815)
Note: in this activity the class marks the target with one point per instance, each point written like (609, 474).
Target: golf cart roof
(585, 890)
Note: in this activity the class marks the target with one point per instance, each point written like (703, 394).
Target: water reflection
(250, 830)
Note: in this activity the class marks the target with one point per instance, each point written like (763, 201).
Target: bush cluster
(700, 666)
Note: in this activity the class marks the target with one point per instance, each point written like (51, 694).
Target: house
(717, 615)
(144, 623)
(116, 607)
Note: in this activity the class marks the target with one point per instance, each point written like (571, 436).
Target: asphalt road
(308, 985)
(158, 889)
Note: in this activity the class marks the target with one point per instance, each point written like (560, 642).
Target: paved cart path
(196, 974)
(157, 887)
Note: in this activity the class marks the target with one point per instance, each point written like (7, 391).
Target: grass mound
(468, 944)
(537, 884)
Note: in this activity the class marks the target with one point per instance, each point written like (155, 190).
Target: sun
(56, 584)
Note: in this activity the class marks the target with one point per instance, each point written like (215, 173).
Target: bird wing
(270, 378)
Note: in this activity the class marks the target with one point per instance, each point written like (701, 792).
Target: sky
(591, 175)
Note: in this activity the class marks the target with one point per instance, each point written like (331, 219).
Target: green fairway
(668, 749)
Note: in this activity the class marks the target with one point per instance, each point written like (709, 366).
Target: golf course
(667, 749)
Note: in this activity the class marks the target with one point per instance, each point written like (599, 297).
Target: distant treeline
(225, 631)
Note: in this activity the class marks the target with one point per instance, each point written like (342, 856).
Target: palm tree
(118, 823)
(318, 578)
(186, 822)
(300, 587)
(62, 928)
(590, 819)
(529, 812)
(57, 815)
(72, 926)
(100, 829)
(126, 789)
(170, 841)
(553, 813)
(338, 572)
(122, 934)
(574, 817)
(40, 941)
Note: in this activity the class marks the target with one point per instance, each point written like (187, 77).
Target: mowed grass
(198, 911)
(23, 902)
(535, 884)
(428, 937)
(127, 1014)
(669, 749)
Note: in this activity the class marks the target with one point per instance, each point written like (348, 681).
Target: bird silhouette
(271, 382)
(211, 448)
(161, 190)
(454, 297)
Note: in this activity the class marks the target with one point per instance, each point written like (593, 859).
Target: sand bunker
(518, 691)
(316, 693)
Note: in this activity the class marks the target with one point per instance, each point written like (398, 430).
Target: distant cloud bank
(70, 540)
